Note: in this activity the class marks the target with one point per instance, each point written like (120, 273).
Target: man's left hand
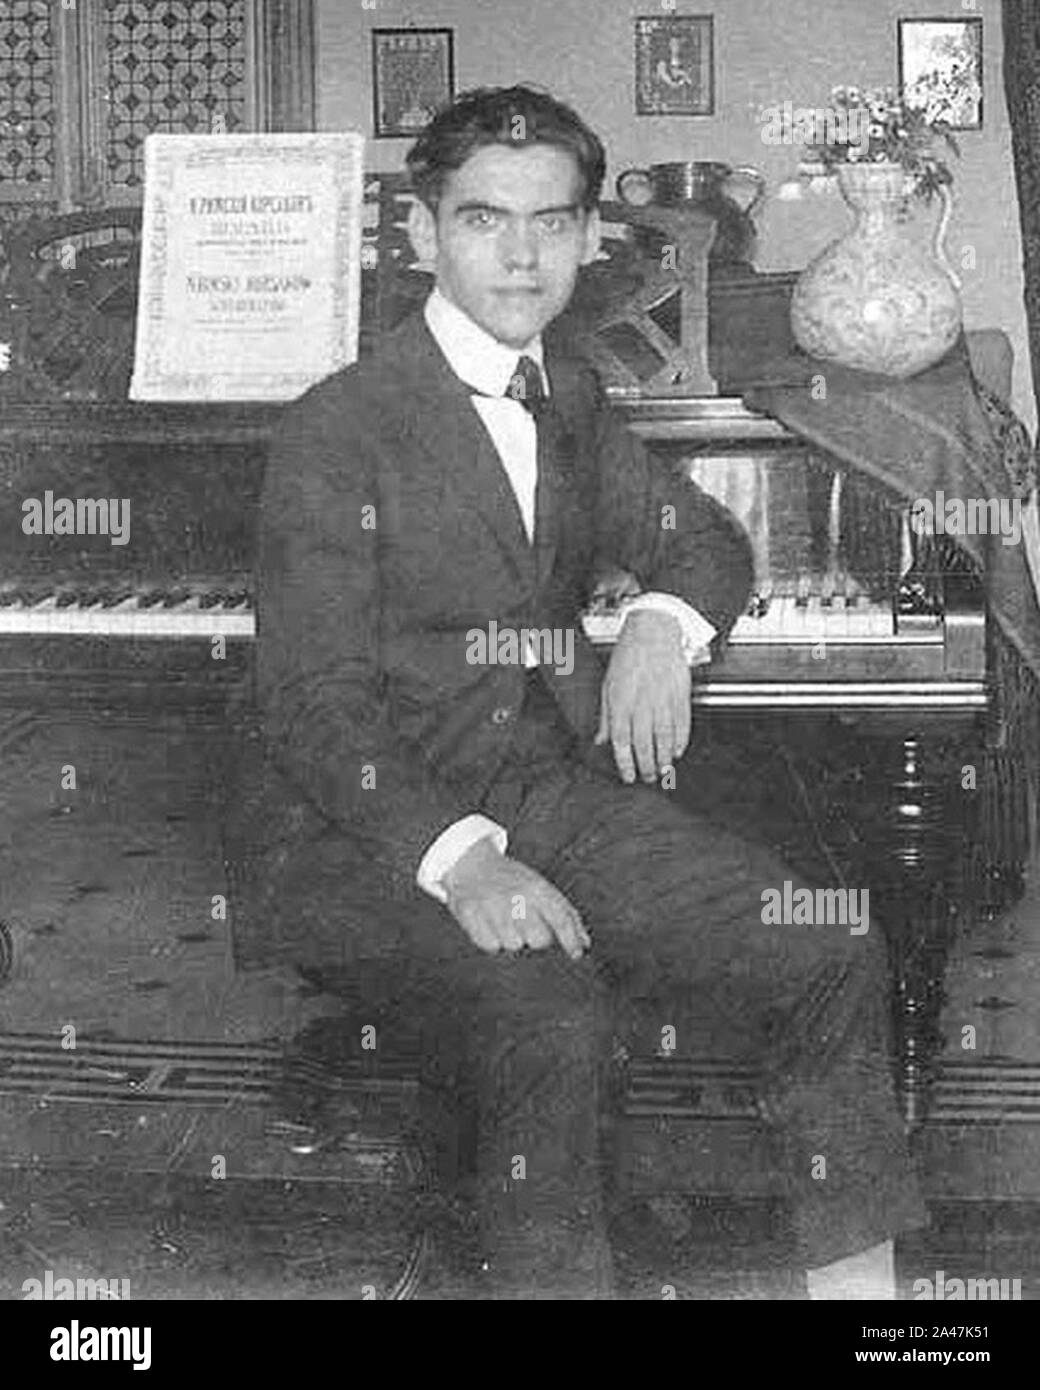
(645, 699)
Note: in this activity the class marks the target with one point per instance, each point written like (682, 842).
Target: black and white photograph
(674, 65)
(941, 60)
(411, 77)
(519, 671)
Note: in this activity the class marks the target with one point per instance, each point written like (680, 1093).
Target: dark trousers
(674, 905)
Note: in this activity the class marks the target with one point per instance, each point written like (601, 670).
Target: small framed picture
(940, 69)
(675, 66)
(413, 73)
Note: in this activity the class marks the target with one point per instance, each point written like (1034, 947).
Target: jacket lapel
(547, 494)
(454, 436)
(557, 448)
(496, 501)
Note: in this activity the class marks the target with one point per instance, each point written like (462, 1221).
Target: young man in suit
(482, 825)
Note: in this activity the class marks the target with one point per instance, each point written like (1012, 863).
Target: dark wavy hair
(502, 116)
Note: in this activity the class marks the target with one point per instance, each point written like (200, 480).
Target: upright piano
(877, 732)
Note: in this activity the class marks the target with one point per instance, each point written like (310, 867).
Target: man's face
(509, 238)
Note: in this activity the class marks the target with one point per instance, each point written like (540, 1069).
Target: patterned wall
(172, 65)
(26, 91)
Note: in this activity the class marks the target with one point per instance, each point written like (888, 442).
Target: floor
(110, 872)
(191, 1240)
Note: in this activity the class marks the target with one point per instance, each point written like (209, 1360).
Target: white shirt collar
(474, 356)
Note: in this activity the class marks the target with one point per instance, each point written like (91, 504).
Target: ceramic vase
(880, 298)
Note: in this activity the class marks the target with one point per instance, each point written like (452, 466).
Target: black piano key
(28, 594)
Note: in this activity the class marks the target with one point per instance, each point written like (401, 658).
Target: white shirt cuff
(697, 632)
(449, 847)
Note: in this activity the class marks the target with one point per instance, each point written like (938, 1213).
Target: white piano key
(838, 618)
(884, 625)
(786, 620)
(127, 620)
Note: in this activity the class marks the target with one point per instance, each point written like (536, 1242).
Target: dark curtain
(1022, 89)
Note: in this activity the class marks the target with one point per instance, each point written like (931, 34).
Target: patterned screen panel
(27, 77)
(172, 65)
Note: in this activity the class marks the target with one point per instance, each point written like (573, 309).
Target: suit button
(502, 716)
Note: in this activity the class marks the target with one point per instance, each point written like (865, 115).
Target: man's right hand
(487, 892)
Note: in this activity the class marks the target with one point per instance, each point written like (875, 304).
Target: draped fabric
(943, 430)
(1021, 20)
(1018, 686)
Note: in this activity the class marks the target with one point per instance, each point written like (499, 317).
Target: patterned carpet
(111, 864)
(107, 892)
(108, 887)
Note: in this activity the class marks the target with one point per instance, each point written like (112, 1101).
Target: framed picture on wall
(413, 73)
(675, 73)
(940, 68)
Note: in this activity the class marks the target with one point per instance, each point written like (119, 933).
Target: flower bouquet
(882, 126)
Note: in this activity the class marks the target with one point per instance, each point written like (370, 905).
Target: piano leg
(862, 800)
(918, 859)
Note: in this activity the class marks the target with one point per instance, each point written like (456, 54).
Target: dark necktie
(525, 386)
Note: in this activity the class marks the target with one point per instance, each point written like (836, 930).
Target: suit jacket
(389, 530)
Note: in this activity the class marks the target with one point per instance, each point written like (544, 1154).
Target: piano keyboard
(137, 611)
(822, 642)
(832, 609)
(788, 619)
(773, 619)
(799, 617)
